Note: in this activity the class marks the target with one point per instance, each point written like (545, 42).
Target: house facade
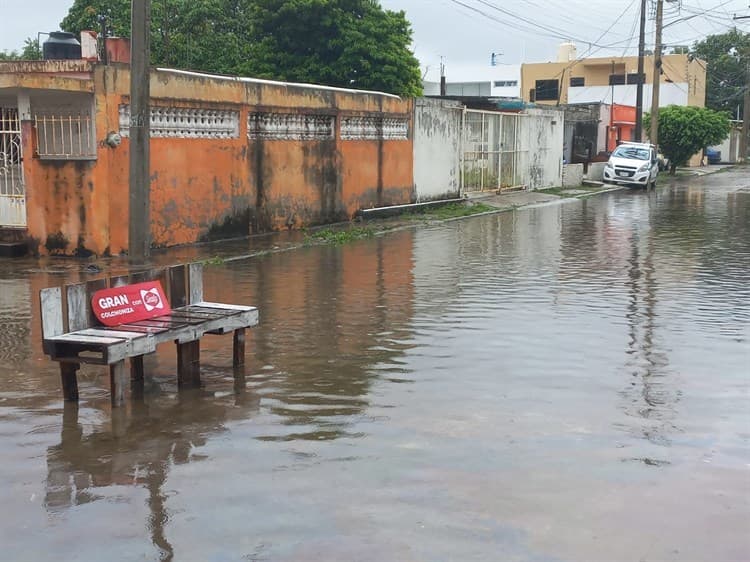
(614, 80)
(229, 156)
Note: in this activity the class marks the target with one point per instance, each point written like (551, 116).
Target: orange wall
(199, 185)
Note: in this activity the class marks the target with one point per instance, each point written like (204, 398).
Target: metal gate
(492, 150)
(12, 188)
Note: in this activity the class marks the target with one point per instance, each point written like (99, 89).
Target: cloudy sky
(466, 32)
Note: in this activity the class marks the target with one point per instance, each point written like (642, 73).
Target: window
(633, 78)
(547, 90)
(506, 83)
(577, 81)
(64, 136)
(616, 79)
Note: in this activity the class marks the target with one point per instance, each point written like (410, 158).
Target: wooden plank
(195, 282)
(178, 295)
(114, 333)
(141, 277)
(52, 314)
(220, 305)
(81, 339)
(185, 319)
(138, 342)
(160, 274)
(155, 323)
(118, 378)
(203, 313)
(136, 368)
(92, 287)
(139, 329)
(188, 364)
(69, 381)
(78, 316)
(120, 281)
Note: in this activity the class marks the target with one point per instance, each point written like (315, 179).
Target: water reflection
(138, 448)
(328, 317)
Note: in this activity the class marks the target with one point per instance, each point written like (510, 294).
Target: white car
(633, 163)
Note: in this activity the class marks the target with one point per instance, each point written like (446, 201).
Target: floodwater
(560, 383)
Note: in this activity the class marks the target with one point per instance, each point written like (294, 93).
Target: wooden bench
(72, 335)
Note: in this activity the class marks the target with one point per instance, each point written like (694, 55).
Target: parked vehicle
(713, 156)
(633, 163)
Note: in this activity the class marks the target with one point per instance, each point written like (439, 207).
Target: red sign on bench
(130, 303)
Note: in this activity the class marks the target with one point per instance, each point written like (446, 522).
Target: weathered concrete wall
(228, 157)
(572, 175)
(437, 149)
(542, 145)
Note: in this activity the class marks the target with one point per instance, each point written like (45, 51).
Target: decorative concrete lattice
(187, 123)
(395, 129)
(290, 126)
(374, 128)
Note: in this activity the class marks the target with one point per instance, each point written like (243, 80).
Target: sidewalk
(217, 253)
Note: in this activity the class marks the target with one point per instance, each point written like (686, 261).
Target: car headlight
(644, 168)
(609, 165)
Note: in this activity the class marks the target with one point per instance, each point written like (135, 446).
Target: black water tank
(61, 45)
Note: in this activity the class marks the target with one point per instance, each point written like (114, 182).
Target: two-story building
(613, 80)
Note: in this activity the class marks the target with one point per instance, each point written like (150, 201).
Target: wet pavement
(557, 383)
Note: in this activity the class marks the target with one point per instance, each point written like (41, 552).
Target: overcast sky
(466, 32)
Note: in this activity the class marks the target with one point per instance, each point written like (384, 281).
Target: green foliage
(683, 131)
(339, 236)
(216, 260)
(30, 51)
(726, 55)
(345, 43)
(451, 211)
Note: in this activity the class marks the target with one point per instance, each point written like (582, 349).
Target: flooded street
(560, 383)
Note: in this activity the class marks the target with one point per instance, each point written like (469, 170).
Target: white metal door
(12, 188)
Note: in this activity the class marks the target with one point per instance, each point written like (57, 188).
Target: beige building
(612, 80)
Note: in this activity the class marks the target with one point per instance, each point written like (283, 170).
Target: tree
(683, 131)
(727, 56)
(346, 43)
(30, 51)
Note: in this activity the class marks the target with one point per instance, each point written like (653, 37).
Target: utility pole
(745, 115)
(139, 227)
(443, 85)
(639, 87)
(657, 75)
(745, 107)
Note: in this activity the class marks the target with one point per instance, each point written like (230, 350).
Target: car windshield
(632, 152)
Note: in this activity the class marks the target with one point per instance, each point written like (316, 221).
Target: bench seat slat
(158, 323)
(76, 337)
(218, 305)
(124, 334)
(204, 313)
(136, 329)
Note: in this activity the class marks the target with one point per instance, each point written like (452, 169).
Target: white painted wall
(669, 94)
(437, 148)
(542, 132)
(730, 148)
(479, 80)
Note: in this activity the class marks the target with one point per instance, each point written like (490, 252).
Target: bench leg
(69, 381)
(136, 368)
(189, 364)
(118, 378)
(136, 377)
(238, 349)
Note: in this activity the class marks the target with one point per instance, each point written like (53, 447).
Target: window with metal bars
(65, 136)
